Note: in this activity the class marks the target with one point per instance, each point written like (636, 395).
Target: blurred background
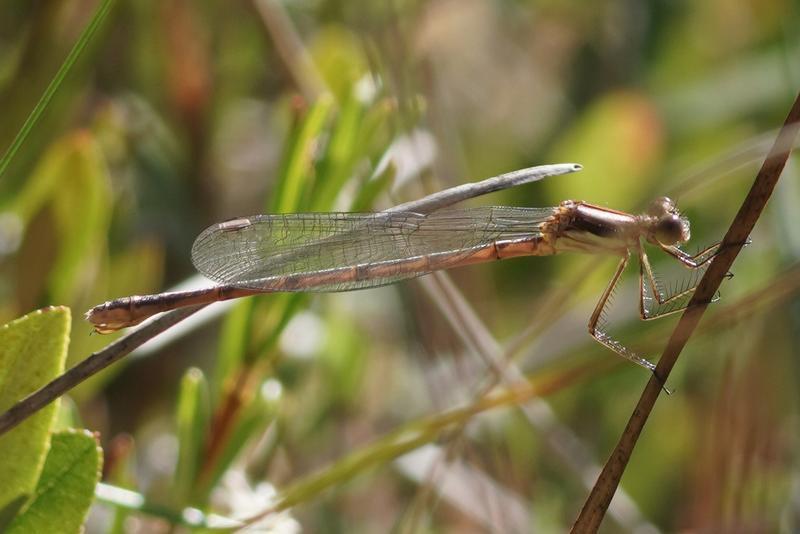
(470, 402)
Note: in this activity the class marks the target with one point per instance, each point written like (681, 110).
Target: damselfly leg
(654, 300)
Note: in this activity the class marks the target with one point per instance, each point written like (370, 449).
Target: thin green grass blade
(192, 417)
(51, 89)
(300, 158)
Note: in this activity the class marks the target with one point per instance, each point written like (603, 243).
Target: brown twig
(600, 497)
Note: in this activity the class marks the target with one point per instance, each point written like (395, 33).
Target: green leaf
(66, 488)
(32, 352)
(298, 163)
(232, 346)
(192, 423)
(341, 155)
(83, 186)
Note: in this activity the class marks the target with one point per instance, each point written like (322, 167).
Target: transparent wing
(256, 251)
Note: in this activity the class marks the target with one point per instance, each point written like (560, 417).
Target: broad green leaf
(32, 352)
(66, 488)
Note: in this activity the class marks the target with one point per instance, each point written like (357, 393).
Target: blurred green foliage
(178, 114)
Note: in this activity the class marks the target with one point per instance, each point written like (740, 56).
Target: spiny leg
(701, 259)
(678, 298)
(654, 302)
(596, 331)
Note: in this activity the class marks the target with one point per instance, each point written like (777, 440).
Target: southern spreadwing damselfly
(319, 252)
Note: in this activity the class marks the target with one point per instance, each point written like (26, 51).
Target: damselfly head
(669, 227)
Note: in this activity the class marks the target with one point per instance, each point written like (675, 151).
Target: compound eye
(661, 206)
(672, 229)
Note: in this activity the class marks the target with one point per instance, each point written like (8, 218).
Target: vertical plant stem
(594, 509)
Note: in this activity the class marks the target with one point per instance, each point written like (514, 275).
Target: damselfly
(346, 251)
